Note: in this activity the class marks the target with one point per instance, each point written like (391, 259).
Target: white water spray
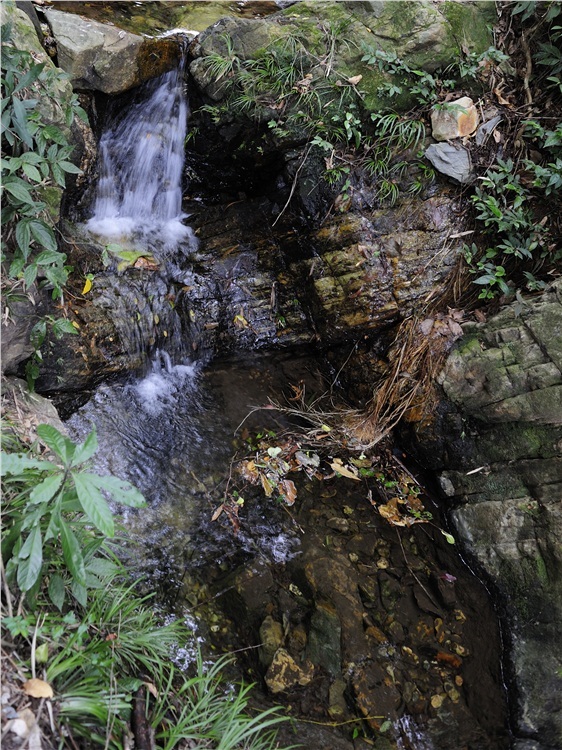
(141, 157)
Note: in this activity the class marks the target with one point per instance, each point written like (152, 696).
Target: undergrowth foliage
(35, 160)
(35, 155)
(104, 658)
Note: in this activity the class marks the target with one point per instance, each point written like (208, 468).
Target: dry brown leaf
(217, 513)
(37, 688)
(289, 491)
(456, 330)
(426, 326)
(345, 471)
(267, 486)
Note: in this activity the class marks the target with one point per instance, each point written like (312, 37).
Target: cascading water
(141, 158)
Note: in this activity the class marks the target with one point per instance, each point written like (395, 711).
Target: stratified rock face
(500, 463)
(105, 58)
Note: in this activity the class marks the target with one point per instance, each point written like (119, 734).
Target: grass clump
(87, 655)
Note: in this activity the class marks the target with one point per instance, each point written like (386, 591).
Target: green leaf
(56, 441)
(68, 166)
(43, 234)
(93, 503)
(72, 553)
(17, 463)
(62, 326)
(52, 133)
(32, 172)
(86, 450)
(57, 591)
(79, 592)
(31, 560)
(449, 537)
(19, 192)
(29, 275)
(122, 491)
(47, 489)
(23, 236)
(47, 257)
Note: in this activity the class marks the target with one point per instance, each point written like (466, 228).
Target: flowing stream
(171, 431)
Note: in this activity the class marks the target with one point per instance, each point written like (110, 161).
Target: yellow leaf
(36, 688)
(87, 286)
(75, 324)
(267, 486)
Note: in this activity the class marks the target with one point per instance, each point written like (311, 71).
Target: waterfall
(141, 156)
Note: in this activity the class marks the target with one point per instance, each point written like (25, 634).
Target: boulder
(454, 120)
(451, 159)
(496, 444)
(105, 58)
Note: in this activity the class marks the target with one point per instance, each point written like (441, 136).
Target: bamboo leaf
(93, 503)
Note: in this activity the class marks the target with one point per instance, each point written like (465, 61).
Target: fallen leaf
(267, 486)
(288, 490)
(344, 471)
(426, 326)
(37, 688)
(451, 659)
(217, 513)
(354, 80)
(87, 286)
(455, 328)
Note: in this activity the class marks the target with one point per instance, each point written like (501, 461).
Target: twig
(528, 70)
(6, 588)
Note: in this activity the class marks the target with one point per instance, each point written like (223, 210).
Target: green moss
(470, 24)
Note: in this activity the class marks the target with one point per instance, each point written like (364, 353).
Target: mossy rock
(339, 34)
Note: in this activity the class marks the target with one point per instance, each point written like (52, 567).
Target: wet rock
(499, 457)
(271, 639)
(371, 686)
(332, 580)
(338, 705)
(455, 119)
(324, 640)
(452, 160)
(284, 674)
(105, 58)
